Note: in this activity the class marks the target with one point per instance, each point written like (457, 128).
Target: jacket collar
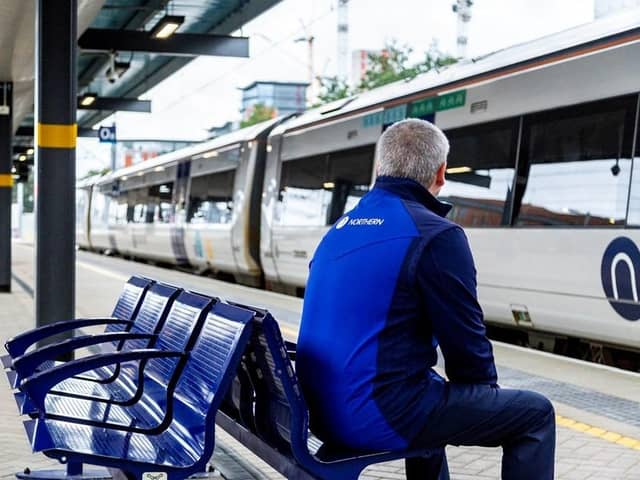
(409, 189)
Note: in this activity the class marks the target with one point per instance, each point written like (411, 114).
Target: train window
(579, 165)
(139, 209)
(316, 191)
(118, 210)
(160, 202)
(480, 171)
(211, 198)
(349, 179)
(304, 196)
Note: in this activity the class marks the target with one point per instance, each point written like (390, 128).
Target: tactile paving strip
(592, 401)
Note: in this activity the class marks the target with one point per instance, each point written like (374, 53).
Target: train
(543, 175)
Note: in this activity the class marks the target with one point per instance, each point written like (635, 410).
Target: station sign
(418, 109)
(107, 134)
(387, 116)
(428, 106)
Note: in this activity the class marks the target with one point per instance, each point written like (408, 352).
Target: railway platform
(598, 408)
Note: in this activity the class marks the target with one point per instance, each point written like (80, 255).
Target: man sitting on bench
(391, 280)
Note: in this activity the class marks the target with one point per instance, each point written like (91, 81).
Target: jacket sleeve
(446, 276)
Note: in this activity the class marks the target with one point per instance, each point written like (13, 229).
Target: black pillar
(56, 132)
(6, 182)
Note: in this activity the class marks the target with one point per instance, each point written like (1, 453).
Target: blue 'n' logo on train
(620, 272)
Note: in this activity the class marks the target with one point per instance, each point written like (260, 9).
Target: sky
(206, 93)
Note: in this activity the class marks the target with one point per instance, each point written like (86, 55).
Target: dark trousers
(519, 421)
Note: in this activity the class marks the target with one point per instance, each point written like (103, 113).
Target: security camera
(111, 75)
(116, 69)
(615, 170)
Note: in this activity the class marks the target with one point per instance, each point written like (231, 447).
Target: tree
(259, 114)
(94, 172)
(390, 65)
(332, 88)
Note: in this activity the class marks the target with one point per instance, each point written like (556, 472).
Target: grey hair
(412, 148)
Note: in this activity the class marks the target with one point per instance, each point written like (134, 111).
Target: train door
(99, 216)
(159, 218)
(267, 207)
(119, 217)
(245, 227)
(83, 196)
(180, 196)
(140, 224)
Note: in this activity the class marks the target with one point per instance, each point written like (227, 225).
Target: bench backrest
(208, 373)
(177, 334)
(129, 301)
(281, 413)
(152, 314)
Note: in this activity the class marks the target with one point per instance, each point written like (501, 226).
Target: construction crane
(462, 8)
(343, 40)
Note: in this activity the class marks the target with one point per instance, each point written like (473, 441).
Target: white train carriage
(197, 206)
(83, 202)
(541, 175)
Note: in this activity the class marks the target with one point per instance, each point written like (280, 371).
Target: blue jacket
(387, 280)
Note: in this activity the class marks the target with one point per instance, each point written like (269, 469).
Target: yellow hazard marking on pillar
(598, 432)
(52, 135)
(6, 180)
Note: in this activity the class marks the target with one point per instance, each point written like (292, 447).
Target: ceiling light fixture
(167, 26)
(459, 170)
(88, 99)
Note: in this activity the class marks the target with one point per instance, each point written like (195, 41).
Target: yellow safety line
(6, 180)
(598, 432)
(52, 135)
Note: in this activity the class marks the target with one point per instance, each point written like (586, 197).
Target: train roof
(601, 34)
(235, 137)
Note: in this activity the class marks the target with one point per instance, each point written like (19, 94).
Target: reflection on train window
(316, 191)
(303, 198)
(480, 170)
(211, 198)
(579, 166)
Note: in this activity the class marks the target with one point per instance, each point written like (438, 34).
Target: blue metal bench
(145, 408)
(124, 310)
(185, 444)
(121, 320)
(279, 432)
(142, 334)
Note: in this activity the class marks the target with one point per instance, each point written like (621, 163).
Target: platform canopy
(115, 33)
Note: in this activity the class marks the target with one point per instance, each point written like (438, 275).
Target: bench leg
(73, 471)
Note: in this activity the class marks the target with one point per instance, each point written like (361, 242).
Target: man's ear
(439, 182)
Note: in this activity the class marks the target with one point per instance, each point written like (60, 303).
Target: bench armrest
(38, 385)
(27, 364)
(19, 344)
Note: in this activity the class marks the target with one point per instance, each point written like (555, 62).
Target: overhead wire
(244, 65)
